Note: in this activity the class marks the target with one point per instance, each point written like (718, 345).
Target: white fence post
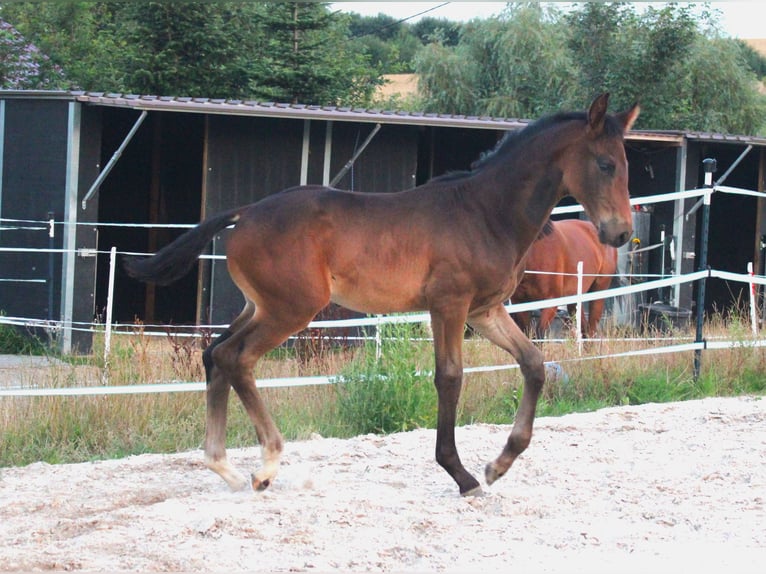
(109, 305)
(753, 297)
(378, 338)
(578, 312)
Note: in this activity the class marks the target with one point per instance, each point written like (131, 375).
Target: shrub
(391, 393)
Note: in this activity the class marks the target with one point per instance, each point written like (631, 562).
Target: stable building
(131, 172)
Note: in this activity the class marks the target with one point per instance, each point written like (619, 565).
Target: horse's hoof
(258, 484)
(474, 492)
(491, 474)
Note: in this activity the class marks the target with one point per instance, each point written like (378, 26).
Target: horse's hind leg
(229, 363)
(217, 397)
(595, 310)
(544, 323)
(501, 330)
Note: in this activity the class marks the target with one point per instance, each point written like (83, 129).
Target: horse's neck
(525, 199)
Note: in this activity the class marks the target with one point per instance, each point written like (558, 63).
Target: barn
(83, 172)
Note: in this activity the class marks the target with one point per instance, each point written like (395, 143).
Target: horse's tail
(176, 259)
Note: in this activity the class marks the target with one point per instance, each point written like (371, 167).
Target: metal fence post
(709, 166)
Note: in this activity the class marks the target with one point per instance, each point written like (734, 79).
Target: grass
(383, 395)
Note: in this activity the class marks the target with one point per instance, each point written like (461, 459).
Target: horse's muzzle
(614, 232)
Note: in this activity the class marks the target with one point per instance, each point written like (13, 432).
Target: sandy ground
(655, 488)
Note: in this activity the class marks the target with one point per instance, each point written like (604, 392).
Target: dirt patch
(631, 489)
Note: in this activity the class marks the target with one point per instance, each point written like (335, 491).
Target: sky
(738, 19)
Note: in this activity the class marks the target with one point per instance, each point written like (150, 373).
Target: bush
(14, 341)
(390, 394)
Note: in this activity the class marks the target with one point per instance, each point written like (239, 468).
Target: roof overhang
(345, 114)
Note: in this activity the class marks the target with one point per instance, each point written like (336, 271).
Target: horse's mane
(513, 140)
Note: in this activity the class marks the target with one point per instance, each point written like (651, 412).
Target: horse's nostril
(623, 238)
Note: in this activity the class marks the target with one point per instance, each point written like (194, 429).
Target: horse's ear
(628, 117)
(597, 113)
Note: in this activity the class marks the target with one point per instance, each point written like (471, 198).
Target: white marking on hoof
(473, 492)
(262, 478)
(223, 468)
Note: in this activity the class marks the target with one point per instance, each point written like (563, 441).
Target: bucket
(663, 318)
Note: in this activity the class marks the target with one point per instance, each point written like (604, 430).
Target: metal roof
(337, 113)
(294, 111)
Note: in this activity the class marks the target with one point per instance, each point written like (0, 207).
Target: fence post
(578, 313)
(378, 338)
(51, 263)
(109, 305)
(709, 166)
(753, 297)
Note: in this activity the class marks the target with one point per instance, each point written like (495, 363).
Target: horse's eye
(606, 166)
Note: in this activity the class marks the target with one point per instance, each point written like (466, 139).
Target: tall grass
(383, 395)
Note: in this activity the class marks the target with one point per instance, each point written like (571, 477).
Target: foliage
(392, 45)
(391, 393)
(185, 49)
(296, 52)
(531, 59)
(303, 56)
(22, 65)
(490, 70)
(754, 60)
(13, 341)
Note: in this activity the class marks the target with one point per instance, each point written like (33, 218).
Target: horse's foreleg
(448, 341)
(501, 330)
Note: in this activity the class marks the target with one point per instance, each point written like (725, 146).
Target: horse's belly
(376, 296)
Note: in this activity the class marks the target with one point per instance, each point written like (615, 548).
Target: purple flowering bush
(23, 66)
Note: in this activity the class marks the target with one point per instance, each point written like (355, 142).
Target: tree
(755, 61)
(675, 62)
(516, 65)
(304, 56)
(532, 60)
(296, 52)
(186, 49)
(78, 38)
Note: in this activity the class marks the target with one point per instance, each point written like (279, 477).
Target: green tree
(76, 36)
(533, 59)
(431, 29)
(304, 56)
(755, 61)
(186, 48)
(296, 52)
(670, 59)
(516, 65)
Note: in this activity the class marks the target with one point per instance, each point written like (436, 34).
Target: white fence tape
(185, 387)
(390, 319)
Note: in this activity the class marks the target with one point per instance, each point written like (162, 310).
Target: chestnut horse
(452, 246)
(551, 271)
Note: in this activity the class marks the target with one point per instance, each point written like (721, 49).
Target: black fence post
(709, 165)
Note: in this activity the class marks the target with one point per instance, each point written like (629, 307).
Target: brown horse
(553, 259)
(452, 246)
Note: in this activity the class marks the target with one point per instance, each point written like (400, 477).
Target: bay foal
(452, 246)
